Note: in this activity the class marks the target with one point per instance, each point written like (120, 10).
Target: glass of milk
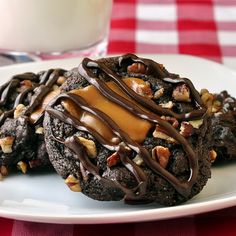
(54, 28)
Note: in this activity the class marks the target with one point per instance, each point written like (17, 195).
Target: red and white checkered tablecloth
(205, 28)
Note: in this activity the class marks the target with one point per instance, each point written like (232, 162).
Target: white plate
(45, 198)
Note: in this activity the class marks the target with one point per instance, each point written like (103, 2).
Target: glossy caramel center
(134, 126)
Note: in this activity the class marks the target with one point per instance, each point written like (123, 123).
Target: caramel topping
(34, 116)
(134, 126)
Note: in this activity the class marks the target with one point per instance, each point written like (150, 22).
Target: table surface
(204, 28)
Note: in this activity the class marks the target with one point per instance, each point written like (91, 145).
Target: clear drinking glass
(54, 28)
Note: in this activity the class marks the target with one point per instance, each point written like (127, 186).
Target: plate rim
(139, 215)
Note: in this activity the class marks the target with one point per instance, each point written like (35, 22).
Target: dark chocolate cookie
(21, 132)
(126, 128)
(224, 126)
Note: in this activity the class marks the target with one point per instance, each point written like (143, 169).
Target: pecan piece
(22, 166)
(162, 155)
(19, 110)
(212, 155)
(61, 80)
(113, 159)
(186, 129)
(160, 133)
(207, 99)
(172, 120)
(143, 89)
(90, 146)
(137, 67)
(73, 183)
(168, 105)
(6, 144)
(181, 93)
(196, 123)
(3, 171)
(138, 160)
(158, 93)
(39, 130)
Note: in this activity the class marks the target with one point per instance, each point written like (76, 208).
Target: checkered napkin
(205, 28)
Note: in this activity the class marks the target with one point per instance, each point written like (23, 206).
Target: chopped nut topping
(73, 183)
(90, 146)
(19, 111)
(22, 166)
(113, 159)
(181, 93)
(3, 171)
(168, 105)
(196, 123)
(212, 155)
(207, 99)
(186, 129)
(161, 154)
(159, 133)
(143, 89)
(6, 144)
(39, 130)
(172, 120)
(216, 106)
(159, 93)
(137, 67)
(138, 160)
(26, 83)
(61, 80)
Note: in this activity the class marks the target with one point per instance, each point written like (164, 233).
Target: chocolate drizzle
(41, 84)
(124, 144)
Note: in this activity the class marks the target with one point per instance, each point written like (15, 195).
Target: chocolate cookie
(21, 131)
(126, 128)
(224, 126)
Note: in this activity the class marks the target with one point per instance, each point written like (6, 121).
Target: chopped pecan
(216, 106)
(181, 93)
(207, 99)
(143, 89)
(138, 160)
(172, 120)
(158, 93)
(212, 155)
(6, 144)
(61, 80)
(19, 110)
(73, 183)
(26, 83)
(168, 105)
(22, 166)
(137, 68)
(113, 159)
(160, 133)
(162, 155)
(90, 146)
(39, 130)
(186, 129)
(196, 123)
(3, 171)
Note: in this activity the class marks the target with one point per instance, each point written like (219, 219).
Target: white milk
(52, 25)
